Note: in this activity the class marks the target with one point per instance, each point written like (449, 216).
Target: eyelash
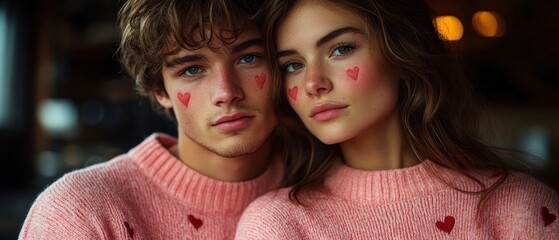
(351, 47)
(185, 73)
(256, 58)
(286, 65)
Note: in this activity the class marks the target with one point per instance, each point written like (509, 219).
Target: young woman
(400, 158)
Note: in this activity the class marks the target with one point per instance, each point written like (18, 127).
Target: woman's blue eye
(342, 50)
(191, 71)
(292, 67)
(249, 59)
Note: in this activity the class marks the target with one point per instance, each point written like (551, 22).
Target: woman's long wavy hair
(437, 109)
(154, 29)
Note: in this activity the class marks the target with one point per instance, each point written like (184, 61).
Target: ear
(163, 99)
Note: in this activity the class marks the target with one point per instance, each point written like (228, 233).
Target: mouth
(233, 122)
(326, 111)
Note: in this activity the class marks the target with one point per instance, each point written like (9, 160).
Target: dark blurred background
(66, 103)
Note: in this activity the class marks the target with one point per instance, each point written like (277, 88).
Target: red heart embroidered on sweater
(129, 230)
(197, 223)
(548, 217)
(448, 224)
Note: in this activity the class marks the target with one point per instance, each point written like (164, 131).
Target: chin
(240, 149)
(330, 139)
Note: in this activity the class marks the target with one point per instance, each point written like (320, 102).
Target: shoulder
(278, 197)
(70, 204)
(275, 223)
(524, 189)
(92, 181)
(524, 207)
(274, 203)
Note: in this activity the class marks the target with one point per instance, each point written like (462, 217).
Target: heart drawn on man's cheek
(292, 92)
(260, 80)
(353, 73)
(184, 98)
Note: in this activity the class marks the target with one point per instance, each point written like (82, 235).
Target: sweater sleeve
(60, 212)
(267, 218)
(524, 209)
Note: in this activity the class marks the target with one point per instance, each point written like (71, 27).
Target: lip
(326, 111)
(233, 122)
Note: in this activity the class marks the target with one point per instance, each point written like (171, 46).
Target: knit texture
(407, 203)
(144, 194)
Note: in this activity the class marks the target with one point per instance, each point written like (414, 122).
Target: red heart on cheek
(184, 98)
(293, 93)
(353, 73)
(260, 80)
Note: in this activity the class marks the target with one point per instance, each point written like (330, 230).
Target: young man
(204, 64)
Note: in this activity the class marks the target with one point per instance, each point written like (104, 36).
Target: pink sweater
(145, 194)
(405, 204)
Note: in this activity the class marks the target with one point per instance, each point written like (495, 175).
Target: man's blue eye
(192, 71)
(249, 59)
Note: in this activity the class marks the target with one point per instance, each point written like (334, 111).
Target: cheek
(184, 98)
(359, 77)
(260, 80)
(353, 73)
(375, 81)
(292, 93)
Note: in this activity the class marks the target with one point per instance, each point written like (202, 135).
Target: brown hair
(437, 105)
(154, 29)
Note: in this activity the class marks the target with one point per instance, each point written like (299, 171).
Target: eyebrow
(337, 33)
(247, 44)
(328, 37)
(198, 57)
(184, 59)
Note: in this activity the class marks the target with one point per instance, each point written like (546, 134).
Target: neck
(234, 169)
(380, 147)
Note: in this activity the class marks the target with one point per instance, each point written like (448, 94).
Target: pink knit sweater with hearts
(144, 194)
(406, 203)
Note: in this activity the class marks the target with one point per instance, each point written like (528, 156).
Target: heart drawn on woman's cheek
(353, 73)
(293, 93)
(184, 98)
(260, 80)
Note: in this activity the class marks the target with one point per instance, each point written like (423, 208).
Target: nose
(317, 82)
(226, 88)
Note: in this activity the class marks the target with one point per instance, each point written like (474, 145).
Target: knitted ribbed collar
(201, 192)
(375, 187)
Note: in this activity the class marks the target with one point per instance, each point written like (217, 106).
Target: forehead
(215, 49)
(315, 18)
(219, 41)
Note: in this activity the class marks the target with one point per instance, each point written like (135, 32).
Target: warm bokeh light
(488, 24)
(449, 27)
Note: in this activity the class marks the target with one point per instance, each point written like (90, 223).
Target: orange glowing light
(488, 24)
(449, 27)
